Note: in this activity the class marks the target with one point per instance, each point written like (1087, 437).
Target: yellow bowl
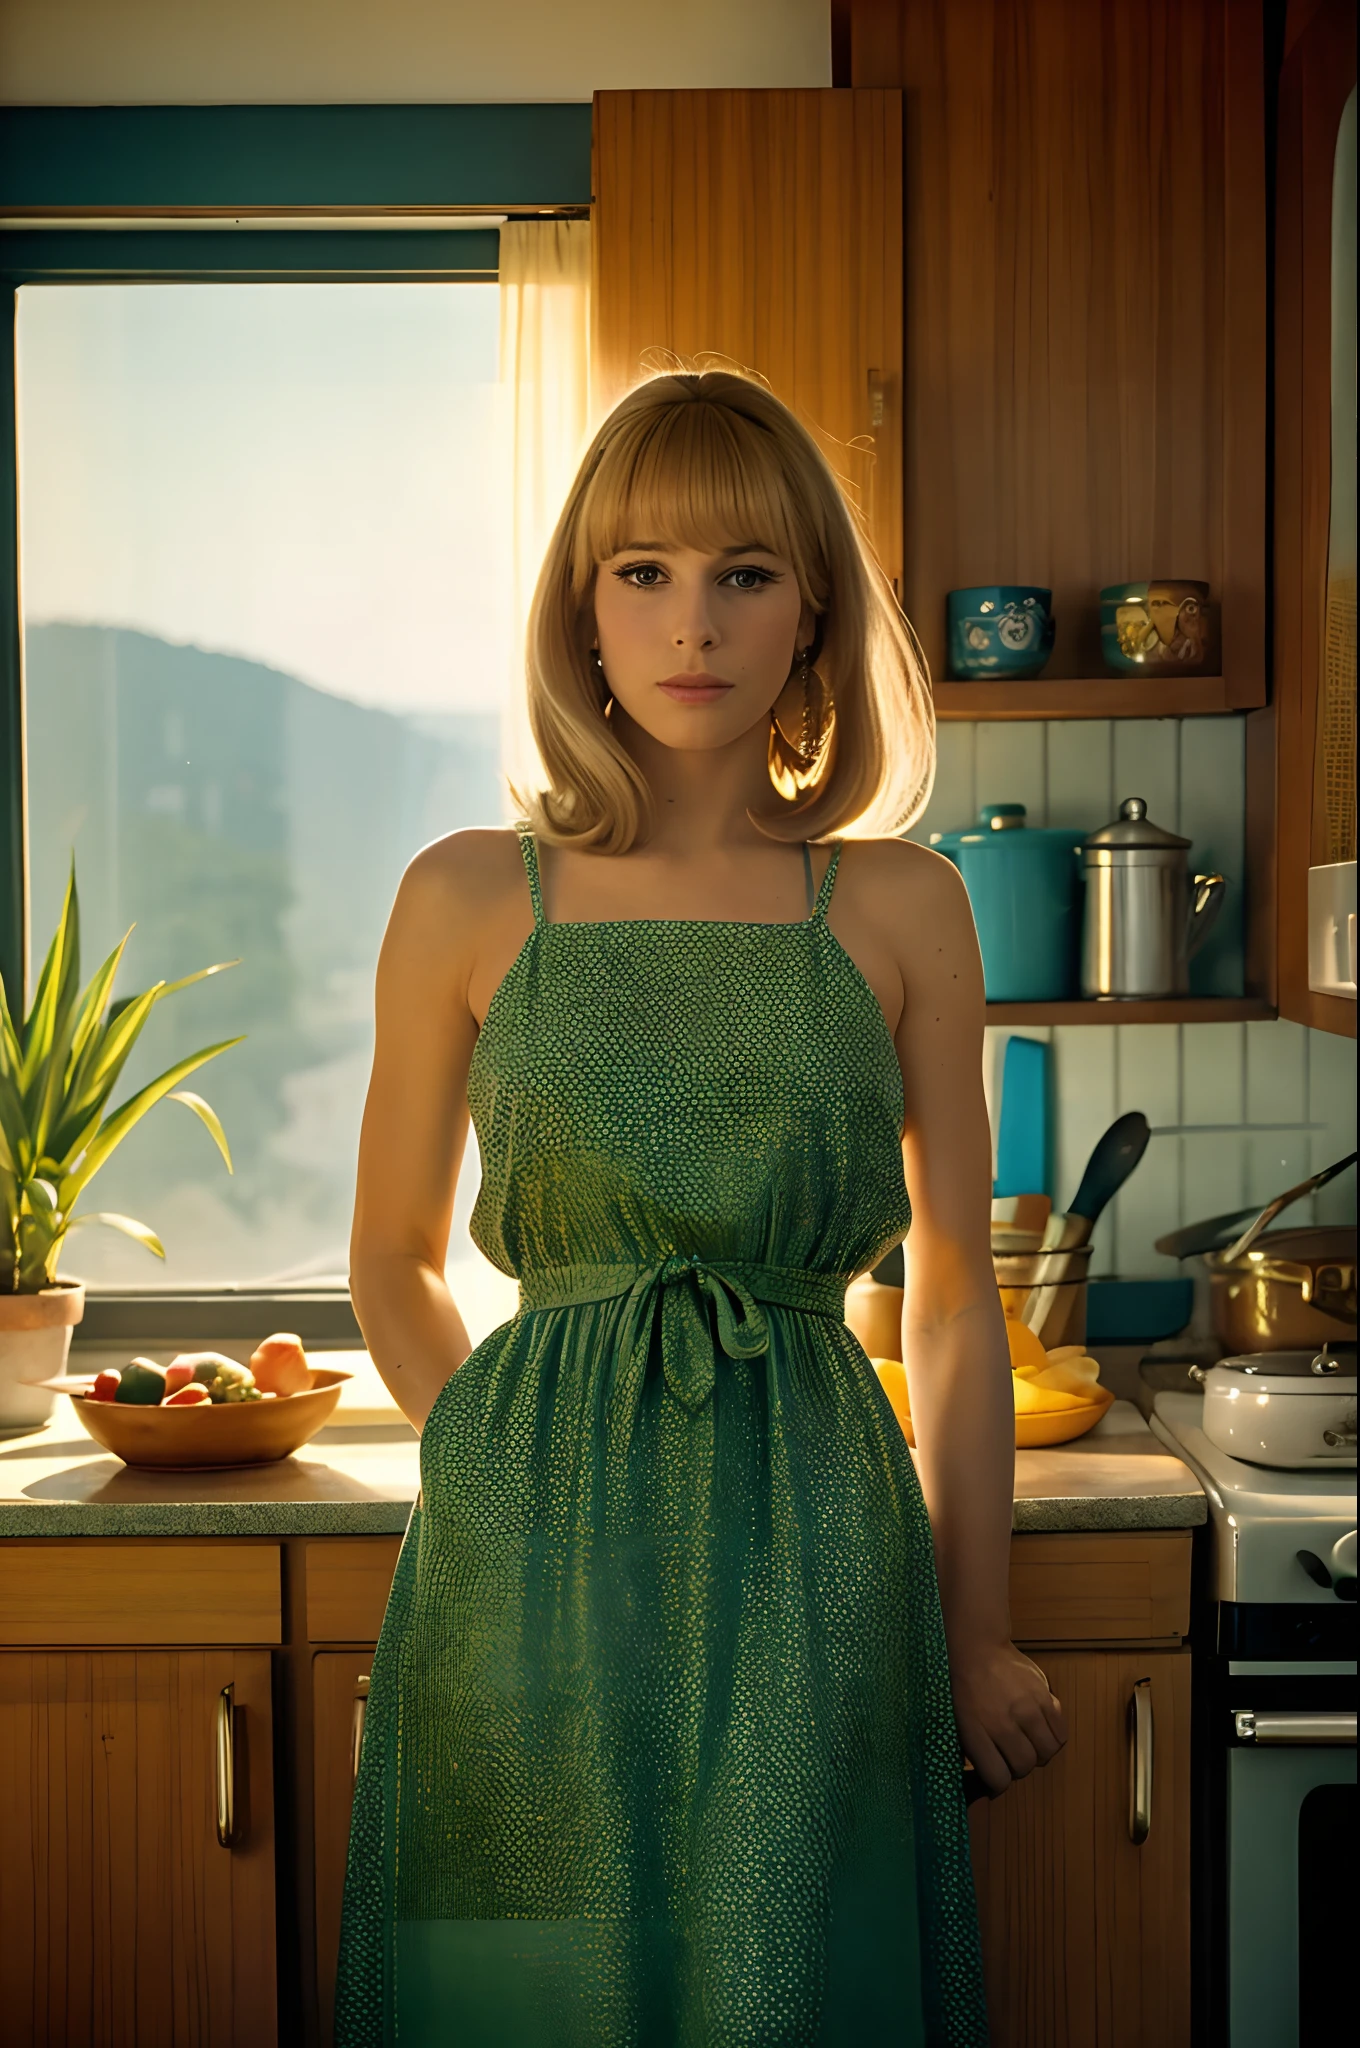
(1057, 1424)
(1033, 1432)
(212, 1435)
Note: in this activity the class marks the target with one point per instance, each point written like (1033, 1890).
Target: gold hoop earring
(795, 764)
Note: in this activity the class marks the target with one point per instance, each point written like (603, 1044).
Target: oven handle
(1140, 1762)
(1295, 1728)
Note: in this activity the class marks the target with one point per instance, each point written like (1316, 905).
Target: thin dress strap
(828, 881)
(528, 847)
(807, 877)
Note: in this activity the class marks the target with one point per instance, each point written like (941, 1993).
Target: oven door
(1291, 1890)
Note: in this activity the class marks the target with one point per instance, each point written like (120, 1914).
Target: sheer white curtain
(545, 375)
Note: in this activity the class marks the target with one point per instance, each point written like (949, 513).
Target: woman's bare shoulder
(474, 871)
(920, 913)
(899, 881)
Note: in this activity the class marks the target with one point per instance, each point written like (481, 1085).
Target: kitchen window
(267, 599)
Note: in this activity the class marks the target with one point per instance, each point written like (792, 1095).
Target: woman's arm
(954, 1335)
(414, 1131)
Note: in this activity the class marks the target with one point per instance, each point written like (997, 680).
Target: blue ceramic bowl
(1000, 631)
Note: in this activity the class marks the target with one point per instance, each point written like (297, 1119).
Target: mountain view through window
(267, 649)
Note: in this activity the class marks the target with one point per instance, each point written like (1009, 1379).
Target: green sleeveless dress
(660, 1751)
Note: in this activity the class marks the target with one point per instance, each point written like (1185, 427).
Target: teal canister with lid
(1024, 883)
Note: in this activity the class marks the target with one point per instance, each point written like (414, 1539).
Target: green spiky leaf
(129, 1226)
(207, 1115)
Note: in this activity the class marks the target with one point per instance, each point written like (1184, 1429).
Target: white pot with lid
(1288, 1409)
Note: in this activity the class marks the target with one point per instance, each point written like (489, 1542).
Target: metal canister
(1144, 917)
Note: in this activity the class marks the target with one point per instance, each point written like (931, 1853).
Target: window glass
(267, 638)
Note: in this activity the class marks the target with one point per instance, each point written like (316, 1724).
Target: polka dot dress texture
(660, 1751)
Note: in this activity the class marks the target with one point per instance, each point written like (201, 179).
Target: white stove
(1263, 1518)
(1274, 1632)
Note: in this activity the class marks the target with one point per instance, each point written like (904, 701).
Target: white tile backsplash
(1207, 1155)
(1012, 767)
(1239, 1111)
(1080, 773)
(1147, 764)
(1214, 1074)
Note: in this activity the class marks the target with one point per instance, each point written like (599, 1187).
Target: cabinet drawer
(348, 1582)
(1132, 1587)
(142, 1591)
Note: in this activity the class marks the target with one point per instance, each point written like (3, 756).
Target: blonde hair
(708, 460)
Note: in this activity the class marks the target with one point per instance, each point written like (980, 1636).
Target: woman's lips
(696, 689)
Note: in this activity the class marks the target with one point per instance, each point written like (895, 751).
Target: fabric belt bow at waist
(680, 1283)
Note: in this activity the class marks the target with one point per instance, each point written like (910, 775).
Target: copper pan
(1291, 1289)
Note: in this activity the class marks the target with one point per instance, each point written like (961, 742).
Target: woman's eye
(756, 578)
(642, 575)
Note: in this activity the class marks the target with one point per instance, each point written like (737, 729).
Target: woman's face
(696, 646)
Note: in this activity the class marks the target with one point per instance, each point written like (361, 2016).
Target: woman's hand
(1008, 1720)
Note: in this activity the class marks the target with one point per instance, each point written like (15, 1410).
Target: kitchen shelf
(1171, 1010)
(1095, 697)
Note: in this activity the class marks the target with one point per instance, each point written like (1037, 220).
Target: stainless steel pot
(1289, 1290)
(1287, 1409)
(1142, 921)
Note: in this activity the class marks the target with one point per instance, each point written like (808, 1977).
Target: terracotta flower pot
(35, 1338)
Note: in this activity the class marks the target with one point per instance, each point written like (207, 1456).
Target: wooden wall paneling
(765, 227)
(333, 1688)
(1085, 306)
(130, 1593)
(1086, 1937)
(1318, 74)
(122, 1919)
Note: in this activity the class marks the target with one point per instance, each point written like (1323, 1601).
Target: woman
(661, 1746)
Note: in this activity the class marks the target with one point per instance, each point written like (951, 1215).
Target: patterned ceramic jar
(999, 631)
(1164, 627)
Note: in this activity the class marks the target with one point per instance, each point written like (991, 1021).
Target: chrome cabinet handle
(356, 1733)
(1140, 1762)
(225, 1729)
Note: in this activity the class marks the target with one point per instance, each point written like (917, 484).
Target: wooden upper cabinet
(766, 228)
(1086, 300)
(1314, 682)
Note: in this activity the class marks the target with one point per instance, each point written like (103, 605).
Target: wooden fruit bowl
(210, 1437)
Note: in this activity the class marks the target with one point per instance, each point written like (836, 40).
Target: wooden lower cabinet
(1086, 1933)
(124, 1923)
(336, 1695)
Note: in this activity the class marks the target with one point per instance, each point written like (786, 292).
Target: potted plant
(57, 1072)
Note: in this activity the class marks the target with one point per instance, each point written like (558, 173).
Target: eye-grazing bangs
(695, 476)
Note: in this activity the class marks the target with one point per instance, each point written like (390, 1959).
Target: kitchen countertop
(362, 1478)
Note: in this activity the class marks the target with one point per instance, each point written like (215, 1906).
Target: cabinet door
(1086, 1934)
(337, 1708)
(766, 227)
(124, 1923)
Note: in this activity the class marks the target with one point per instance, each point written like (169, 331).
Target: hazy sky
(303, 474)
